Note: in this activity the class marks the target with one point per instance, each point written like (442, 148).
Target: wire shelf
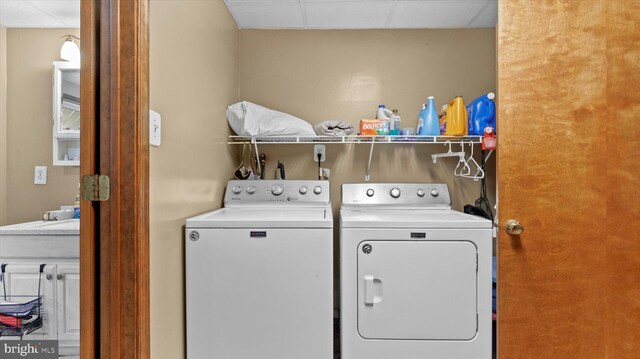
(239, 140)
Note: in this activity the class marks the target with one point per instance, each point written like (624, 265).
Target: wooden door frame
(114, 235)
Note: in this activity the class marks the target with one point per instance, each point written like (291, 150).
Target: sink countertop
(64, 227)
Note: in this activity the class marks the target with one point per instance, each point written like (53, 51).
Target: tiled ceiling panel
(436, 14)
(267, 15)
(287, 14)
(488, 17)
(365, 14)
(40, 13)
(347, 15)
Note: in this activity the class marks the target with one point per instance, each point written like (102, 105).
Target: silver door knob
(514, 227)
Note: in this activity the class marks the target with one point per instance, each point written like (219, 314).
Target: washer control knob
(370, 192)
(303, 190)
(251, 190)
(420, 192)
(435, 192)
(395, 192)
(236, 189)
(277, 190)
(317, 190)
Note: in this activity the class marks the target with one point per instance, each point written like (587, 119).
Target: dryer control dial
(303, 190)
(251, 190)
(420, 192)
(317, 190)
(236, 189)
(277, 190)
(395, 192)
(370, 192)
(435, 192)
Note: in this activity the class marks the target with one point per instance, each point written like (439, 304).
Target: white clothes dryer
(415, 275)
(259, 273)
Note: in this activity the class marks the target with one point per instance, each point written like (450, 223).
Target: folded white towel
(333, 128)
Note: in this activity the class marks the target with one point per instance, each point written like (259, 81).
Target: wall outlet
(40, 176)
(322, 151)
(155, 128)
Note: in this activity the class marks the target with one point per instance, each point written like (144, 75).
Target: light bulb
(70, 51)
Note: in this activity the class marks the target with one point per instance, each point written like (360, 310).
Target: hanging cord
(3, 267)
(319, 167)
(483, 201)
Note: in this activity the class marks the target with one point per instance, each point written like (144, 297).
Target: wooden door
(114, 234)
(568, 163)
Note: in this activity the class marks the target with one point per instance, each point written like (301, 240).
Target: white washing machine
(415, 275)
(259, 273)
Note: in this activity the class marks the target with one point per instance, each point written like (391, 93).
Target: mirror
(66, 114)
(70, 105)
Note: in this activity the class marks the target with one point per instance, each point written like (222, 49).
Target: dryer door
(424, 290)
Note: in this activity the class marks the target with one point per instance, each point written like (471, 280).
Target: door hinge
(95, 188)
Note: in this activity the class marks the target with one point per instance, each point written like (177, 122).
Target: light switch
(155, 127)
(40, 176)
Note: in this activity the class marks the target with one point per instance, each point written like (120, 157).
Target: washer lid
(264, 218)
(410, 218)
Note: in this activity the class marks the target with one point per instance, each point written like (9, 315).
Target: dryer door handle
(372, 290)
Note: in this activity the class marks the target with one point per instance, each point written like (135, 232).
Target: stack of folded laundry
(333, 128)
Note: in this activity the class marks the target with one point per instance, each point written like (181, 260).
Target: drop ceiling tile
(65, 11)
(260, 1)
(20, 13)
(343, 1)
(487, 17)
(436, 13)
(348, 15)
(266, 15)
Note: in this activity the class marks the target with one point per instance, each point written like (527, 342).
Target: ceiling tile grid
(364, 14)
(40, 13)
(290, 14)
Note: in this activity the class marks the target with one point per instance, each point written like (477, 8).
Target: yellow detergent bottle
(457, 120)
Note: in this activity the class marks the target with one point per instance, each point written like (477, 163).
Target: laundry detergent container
(482, 113)
(456, 118)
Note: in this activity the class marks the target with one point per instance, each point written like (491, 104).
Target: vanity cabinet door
(22, 280)
(68, 293)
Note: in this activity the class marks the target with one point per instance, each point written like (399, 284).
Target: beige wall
(30, 53)
(200, 63)
(345, 74)
(194, 77)
(3, 124)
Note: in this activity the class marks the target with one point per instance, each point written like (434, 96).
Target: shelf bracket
(367, 176)
(255, 145)
(488, 155)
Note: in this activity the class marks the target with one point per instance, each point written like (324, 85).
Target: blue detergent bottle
(431, 120)
(482, 113)
(421, 119)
